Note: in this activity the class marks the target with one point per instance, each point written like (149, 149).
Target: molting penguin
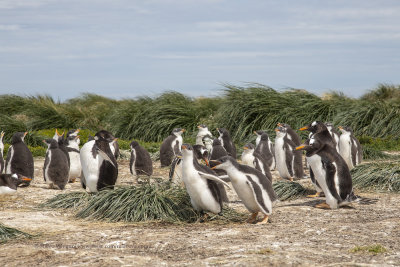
(72, 143)
(265, 147)
(99, 165)
(226, 142)
(217, 152)
(55, 169)
(201, 183)
(10, 182)
(1, 153)
(251, 186)
(331, 172)
(171, 147)
(320, 131)
(253, 159)
(334, 134)
(287, 161)
(19, 157)
(349, 147)
(62, 144)
(140, 163)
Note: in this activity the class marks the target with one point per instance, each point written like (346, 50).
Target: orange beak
(300, 147)
(26, 179)
(207, 163)
(25, 134)
(277, 130)
(183, 130)
(303, 128)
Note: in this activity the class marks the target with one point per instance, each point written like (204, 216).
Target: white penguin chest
(248, 159)
(8, 167)
(5, 190)
(243, 190)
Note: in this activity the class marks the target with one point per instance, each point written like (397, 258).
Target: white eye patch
(15, 176)
(314, 123)
(312, 141)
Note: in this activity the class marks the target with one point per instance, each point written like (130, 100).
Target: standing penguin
(265, 147)
(72, 143)
(140, 163)
(251, 186)
(171, 147)
(10, 182)
(349, 147)
(331, 172)
(334, 134)
(217, 152)
(62, 145)
(99, 165)
(226, 142)
(201, 183)
(55, 169)
(201, 141)
(19, 157)
(318, 130)
(288, 163)
(291, 134)
(251, 158)
(1, 152)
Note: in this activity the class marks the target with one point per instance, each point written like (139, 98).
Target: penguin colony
(205, 168)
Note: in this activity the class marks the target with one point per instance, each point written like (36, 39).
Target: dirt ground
(298, 234)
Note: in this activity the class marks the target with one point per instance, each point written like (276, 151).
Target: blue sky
(121, 49)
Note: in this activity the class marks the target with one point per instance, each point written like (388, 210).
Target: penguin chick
(226, 142)
(55, 169)
(171, 147)
(140, 163)
(201, 183)
(10, 182)
(72, 142)
(251, 186)
(253, 159)
(265, 148)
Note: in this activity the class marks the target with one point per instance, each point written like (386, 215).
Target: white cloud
(10, 27)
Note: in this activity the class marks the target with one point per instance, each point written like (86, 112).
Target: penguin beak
(207, 163)
(25, 134)
(279, 124)
(255, 132)
(245, 147)
(44, 141)
(58, 133)
(184, 147)
(216, 162)
(26, 179)
(277, 130)
(77, 131)
(2, 134)
(340, 127)
(183, 130)
(198, 126)
(304, 128)
(300, 147)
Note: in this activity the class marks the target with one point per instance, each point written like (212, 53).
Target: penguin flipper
(131, 167)
(106, 157)
(174, 163)
(260, 198)
(213, 178)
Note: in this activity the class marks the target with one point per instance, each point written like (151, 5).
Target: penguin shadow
(312, 203)
(367, 201)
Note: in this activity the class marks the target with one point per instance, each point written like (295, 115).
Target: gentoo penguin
(227, 142)
(62, 144)
(265, 148)
(19, 157)
(171, 147)
(330, 170)
(320, 131)
(99, 165)
(291, 134)
(251, 186)
(55, 169)
(288, 161)
(251, 158)
(1, 153)
(201, 183)
(349, 147)
(72, 143)
(334, 134)
(140, 163)
(217, 152)
(10, 182)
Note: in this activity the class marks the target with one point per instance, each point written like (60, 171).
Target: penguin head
(14, 179)
(203, 130)
(310, 146)
(73, 133)
(178, 131)
(104, 135)
(346, 129)
(248, 148)
(283, 125)
(134, 144)
(1, 137)
(224, 163)
(187, 150)
(73, 139)
(314, 127)
(223, 132)
(259, 132)
(264, 137)
(280, 132)
(58, 137)
(51, 143)
(329, 125)
(18, 137)
(216, 142)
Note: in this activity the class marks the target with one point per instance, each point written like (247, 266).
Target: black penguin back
(56, 167)
(167, 153)
(143, 162)
(108, 172)
(227, 142)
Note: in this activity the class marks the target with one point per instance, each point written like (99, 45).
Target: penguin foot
(291, 179)
(318, 194)
(252, 217)
(264, 221)
(323, 206)
(203, 218)
(72, 180)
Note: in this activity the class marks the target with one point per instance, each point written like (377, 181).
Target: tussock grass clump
(379, 176)
(66, 201)
(148, 202)
(7, 233)
(287, 190)
(370, 152)
(373, 249)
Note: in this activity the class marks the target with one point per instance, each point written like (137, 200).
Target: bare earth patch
(298, 234)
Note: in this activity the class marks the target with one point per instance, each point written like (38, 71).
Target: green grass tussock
(7, 233)
(66, 201)
(373, 249)
(287, 190)
(378, 176)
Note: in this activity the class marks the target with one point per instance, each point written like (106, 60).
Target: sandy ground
(298, 234)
